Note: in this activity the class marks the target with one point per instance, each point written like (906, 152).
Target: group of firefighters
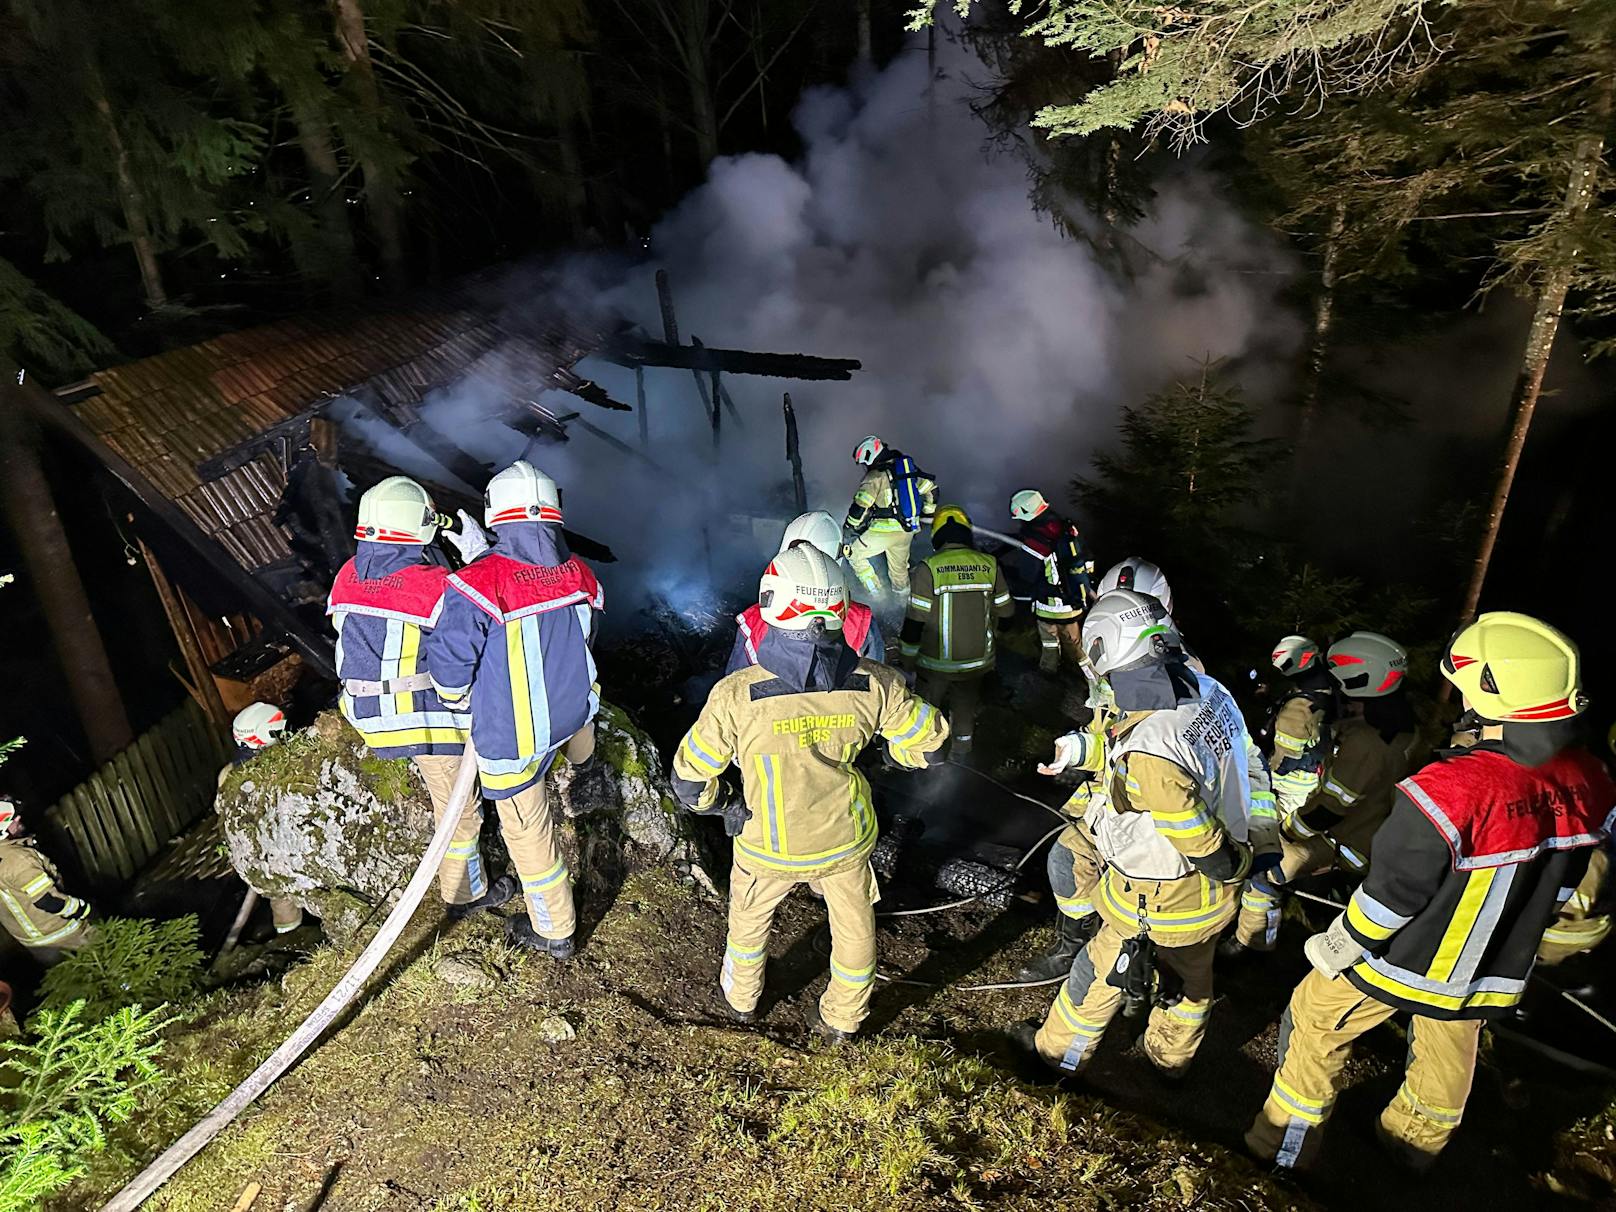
(1184, 837)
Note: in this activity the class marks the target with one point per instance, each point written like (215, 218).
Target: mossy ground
(435, 1096)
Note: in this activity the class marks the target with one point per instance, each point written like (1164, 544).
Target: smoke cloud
(995, 351)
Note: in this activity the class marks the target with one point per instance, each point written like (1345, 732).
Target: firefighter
(384, 604)
(513, 647)
(256, 727)
(1583, 920)
(35, 912)
(1299, 728)
(955, 599)
(1062, 577)
(859, 629)
(1370, 749)
(1167, 843)
(792, 725)
(1469, 869)
(1141, 576)
(894, 500)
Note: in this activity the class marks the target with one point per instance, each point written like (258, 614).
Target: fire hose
(345, 990)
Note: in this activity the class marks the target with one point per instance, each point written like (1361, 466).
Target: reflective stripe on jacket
(382, 603)
(26, 878)
(874, 503)
(955, 596)
(513, 641)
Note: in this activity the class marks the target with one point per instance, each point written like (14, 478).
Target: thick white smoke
(995, 351)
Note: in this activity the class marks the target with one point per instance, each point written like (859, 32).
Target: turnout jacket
(875, 504)
(1356, 786)
(1174, 825)
(1478, 853)
(955, 596)
(513, 644)
(1061, 569)
(1301, 737)
(34, 910)
(859, 629)
(792, 725)
(383, 604)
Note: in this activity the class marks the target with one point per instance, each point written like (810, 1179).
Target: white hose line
(282, 1059)
(248, 903)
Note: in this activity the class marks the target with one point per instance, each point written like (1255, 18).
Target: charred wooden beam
(589, 391)
(632, 350)
(794, 456)
(276, 440)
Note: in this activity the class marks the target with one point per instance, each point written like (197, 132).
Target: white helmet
(868, 451)
(1125, 628)
(398, 510)
(800, 585)
(10, 809)
(816, 528)
(258, 725)
(1027, 505)
(1293, 654)
(1141, 576)
(521, 493)
(1368, 665)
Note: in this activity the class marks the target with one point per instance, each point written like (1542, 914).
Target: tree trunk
(136, 217)
(866, 49)
(338, 261)
(54, 579)
(1539, 344)
(572, 181)
(382, 198)
(703, 110)
(1318, 346)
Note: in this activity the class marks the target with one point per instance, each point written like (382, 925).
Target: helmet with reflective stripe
(1368, 665)
(10, 810)
(258, 725)
(949, 513)
(1516, 669)
(1141, 576)
(816, 528)
(1027, 505)
(521, 493)
(1124, 629)
(803, 585)
(398, 510)
(1293, 654)
(868, 451)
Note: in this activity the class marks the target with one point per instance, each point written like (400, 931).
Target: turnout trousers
(850, 897)
(957, 694)
(1315, 1042)
(1086, 1005)
(1258, 924)
(528, 827)
(1074, 871)
(1058, 640)
(890, 545)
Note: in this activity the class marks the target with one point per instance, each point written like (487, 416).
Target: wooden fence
(127, 812)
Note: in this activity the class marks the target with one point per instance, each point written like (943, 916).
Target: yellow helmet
(946, 514)
(1516, 669)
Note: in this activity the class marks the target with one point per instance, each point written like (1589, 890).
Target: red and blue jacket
(383, 603)
(513, 644)
(859, 629)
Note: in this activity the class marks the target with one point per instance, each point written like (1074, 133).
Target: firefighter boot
(519, 932)
(824, 1030)
(1070, 935)
(498, 894)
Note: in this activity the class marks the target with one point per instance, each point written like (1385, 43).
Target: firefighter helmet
(258, 725)
(1125, 628)
(1515, 669)
(1141, 576)
(1027, 505)
(947, 514)
(868, 451)
(521, 493)
(398, 510)
(1368, 665)
(10, 810)
(800, 586)
(1293, 654)
(817, 529)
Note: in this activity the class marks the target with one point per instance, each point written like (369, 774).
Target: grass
(440, 1097)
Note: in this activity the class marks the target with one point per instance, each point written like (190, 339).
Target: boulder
(318, 819)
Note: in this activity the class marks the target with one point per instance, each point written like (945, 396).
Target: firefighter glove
(471, 541)
(1335, 950)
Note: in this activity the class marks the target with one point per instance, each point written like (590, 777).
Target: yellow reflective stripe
(1073, 1020)
(1441, 1001)
(399, 737)
(1460, 925)
(1190, 1012)
(554, 875)
(774, 826)
(796, 864)
(920, 603)
(408, 653)
(699, 754)
(852, 976)
(504, 782)
(1163, 922)
(521, 702)
(1447, 1116)
(37, 885)
(33, 936)
(1185, 823)
(1291, 1099)
(1295, 744)
(1579, 934)
(1360, 922)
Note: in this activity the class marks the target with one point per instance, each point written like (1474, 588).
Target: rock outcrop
(320, 820)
